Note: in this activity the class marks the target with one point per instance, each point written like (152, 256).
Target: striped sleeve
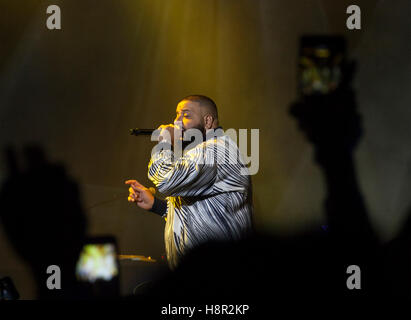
(191, 175)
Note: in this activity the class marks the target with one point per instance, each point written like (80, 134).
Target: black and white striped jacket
(208, 192)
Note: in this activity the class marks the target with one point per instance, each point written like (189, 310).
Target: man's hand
(142, 196)
(167, 133)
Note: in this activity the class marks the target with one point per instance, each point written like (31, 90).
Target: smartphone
(97, 268)
(321, 62)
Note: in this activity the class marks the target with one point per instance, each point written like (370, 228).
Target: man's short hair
(204, 102)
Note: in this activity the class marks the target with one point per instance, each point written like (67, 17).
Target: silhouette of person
(42, 215)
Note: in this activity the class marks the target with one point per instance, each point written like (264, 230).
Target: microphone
(141, 132)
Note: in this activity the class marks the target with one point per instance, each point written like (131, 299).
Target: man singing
(207, 186)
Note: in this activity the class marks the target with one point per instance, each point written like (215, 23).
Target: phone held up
(321, 62)
(97, 268)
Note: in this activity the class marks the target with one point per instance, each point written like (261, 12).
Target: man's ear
(208, 121)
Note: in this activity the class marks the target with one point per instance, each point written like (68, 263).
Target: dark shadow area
(42, 215)
(397, 262)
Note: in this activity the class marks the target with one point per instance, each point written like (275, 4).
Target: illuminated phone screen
(97, 262)
(320, 64)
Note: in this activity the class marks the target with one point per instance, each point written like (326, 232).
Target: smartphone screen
(97, 261)
(320, 64)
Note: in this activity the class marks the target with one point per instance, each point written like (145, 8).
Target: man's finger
(138, 184)
(135, 190)
(135, 183)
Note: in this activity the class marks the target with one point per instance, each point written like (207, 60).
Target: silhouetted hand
(47, 225)
(331, 122)
(142, 196)
(329, 119)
